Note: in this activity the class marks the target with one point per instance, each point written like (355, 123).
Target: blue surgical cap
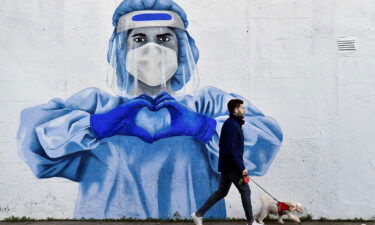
(117, 43)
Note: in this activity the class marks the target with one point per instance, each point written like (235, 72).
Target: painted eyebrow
(139, 35)
(164, 35)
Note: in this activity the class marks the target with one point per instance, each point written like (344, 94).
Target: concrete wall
(282, 55)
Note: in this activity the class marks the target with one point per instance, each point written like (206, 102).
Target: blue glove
(121, 120)
(163, 96)
(184, 122)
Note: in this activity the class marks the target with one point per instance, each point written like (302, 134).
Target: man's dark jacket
(231, 145)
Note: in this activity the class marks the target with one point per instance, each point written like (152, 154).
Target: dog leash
(265, 191)
(281, 206)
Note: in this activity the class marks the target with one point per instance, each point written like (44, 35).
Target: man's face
(240, 111)
(163, 36)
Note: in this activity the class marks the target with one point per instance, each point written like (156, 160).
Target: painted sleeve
(53, 138)
(262, 134)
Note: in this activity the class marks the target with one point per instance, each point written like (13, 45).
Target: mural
(147, 152)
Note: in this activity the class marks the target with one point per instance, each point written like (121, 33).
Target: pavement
(174, 223)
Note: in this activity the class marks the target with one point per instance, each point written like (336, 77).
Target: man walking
(231, 163)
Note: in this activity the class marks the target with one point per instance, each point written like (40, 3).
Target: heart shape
(153, 121)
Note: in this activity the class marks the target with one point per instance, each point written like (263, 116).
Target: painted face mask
(152, 64)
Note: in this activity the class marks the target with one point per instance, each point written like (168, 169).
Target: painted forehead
(149, 31)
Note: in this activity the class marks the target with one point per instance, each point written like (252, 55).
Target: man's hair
(234, 103)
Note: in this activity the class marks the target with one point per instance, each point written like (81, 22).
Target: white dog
(270, 206)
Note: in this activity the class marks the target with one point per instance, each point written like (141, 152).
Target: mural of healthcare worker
(146, 152)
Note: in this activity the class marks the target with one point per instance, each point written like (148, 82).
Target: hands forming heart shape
(162, 97)
(121, 120)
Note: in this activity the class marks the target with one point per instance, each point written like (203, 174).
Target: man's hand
(245, 172)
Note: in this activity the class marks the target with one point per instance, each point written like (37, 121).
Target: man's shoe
(255, 223)
(197, 220)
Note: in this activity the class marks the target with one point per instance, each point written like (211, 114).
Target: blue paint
(138, 117)
(185, 41)
(114, 122)
(148, 120)
(124, 176)
(151, 17)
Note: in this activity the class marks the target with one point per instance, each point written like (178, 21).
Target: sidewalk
(173, 223)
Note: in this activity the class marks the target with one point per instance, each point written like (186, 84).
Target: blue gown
(123, 176)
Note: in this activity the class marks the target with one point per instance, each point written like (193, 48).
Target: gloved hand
(121, 120)
(163, 96)
(184, 122)
(146, 97)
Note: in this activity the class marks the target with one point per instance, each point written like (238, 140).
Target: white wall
(280, 54)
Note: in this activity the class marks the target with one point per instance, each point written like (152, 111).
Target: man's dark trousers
(226, 180)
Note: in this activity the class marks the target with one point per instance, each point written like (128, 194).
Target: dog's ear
(292, 205)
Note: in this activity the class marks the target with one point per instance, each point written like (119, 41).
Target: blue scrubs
(123, 176)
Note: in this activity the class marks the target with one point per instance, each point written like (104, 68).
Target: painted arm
(262, 133)
(53, 138)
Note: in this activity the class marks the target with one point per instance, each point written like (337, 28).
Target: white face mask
(152, 64)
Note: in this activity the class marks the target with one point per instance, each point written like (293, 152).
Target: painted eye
(139, 39)
(164, 39)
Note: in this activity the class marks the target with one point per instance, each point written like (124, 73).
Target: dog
(270, 206)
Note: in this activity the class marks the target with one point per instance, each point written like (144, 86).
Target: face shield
(151, 52)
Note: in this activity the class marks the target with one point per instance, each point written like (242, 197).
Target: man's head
(236, 107)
